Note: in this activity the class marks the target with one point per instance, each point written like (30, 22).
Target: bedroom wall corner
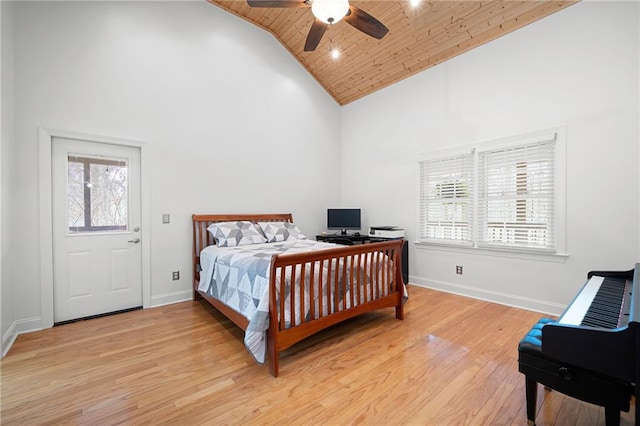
(7, 269)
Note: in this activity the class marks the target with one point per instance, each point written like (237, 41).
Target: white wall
(232, 122)
(577, 68)
(229, 116)
(7, 277)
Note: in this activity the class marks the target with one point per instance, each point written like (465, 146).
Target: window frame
(87, 161)
(559, 198)
(452, 157)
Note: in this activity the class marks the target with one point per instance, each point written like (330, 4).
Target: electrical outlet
(459, 269)
(175, 275)
(166, 218)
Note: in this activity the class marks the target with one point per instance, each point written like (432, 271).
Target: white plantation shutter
(516, 196)
(446, 199)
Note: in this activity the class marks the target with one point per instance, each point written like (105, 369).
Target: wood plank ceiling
(419, 37)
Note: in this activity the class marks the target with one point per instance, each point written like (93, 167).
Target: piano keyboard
(600, 304)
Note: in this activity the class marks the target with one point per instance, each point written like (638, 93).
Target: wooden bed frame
(380, 294)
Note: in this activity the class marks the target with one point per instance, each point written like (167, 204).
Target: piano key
(574, 314)
(599, 304)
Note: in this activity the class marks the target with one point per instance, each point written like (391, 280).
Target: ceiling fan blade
(366, 23)
(277, 3)
(315, 35)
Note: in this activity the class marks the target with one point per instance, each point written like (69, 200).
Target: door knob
(135, 240)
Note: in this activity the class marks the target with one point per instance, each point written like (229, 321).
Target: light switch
(166, 218)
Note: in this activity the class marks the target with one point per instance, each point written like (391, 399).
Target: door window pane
(97, 194)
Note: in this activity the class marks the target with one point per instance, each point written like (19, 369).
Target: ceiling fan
(327, 12)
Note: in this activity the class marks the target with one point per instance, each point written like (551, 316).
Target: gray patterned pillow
(230, 234)
(280, 231)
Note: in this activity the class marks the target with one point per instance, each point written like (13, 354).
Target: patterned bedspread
(239, 277)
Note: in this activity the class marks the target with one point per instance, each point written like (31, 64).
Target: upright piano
(592, 352)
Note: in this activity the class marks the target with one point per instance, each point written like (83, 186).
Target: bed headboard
(202, 238)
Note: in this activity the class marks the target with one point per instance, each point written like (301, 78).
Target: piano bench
(612, 394)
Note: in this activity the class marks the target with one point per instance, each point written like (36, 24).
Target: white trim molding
(506, 299)
(18, 327)
(170, 298)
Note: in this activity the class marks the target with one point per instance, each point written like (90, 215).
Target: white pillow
(280, 231)
(230, 234)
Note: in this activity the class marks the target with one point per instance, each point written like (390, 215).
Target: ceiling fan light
(330, 11)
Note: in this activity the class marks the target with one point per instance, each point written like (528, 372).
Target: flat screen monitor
(343, 219)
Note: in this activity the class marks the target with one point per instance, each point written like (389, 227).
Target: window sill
(484, 251)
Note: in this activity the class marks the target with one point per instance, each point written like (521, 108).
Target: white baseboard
(19, 327)
(8, 338)
(169, 298)
(35, 324)
(529, 304)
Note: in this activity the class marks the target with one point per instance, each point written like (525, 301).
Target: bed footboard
(315, 290)
(337, 284)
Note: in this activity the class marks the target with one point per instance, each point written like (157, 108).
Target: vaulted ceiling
(419, 37)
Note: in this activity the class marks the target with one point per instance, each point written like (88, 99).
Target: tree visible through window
(97, 194)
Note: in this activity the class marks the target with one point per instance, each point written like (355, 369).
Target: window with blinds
(447, 195)
(516, 196)
(497, 195)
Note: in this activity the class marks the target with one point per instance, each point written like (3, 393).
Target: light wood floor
(452, 361)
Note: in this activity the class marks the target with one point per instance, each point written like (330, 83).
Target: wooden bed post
(400, 308)
(196, 262)
(273, 351)
(399, 280)
(196, 257)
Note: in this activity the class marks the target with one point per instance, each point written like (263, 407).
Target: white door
(97, 258)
